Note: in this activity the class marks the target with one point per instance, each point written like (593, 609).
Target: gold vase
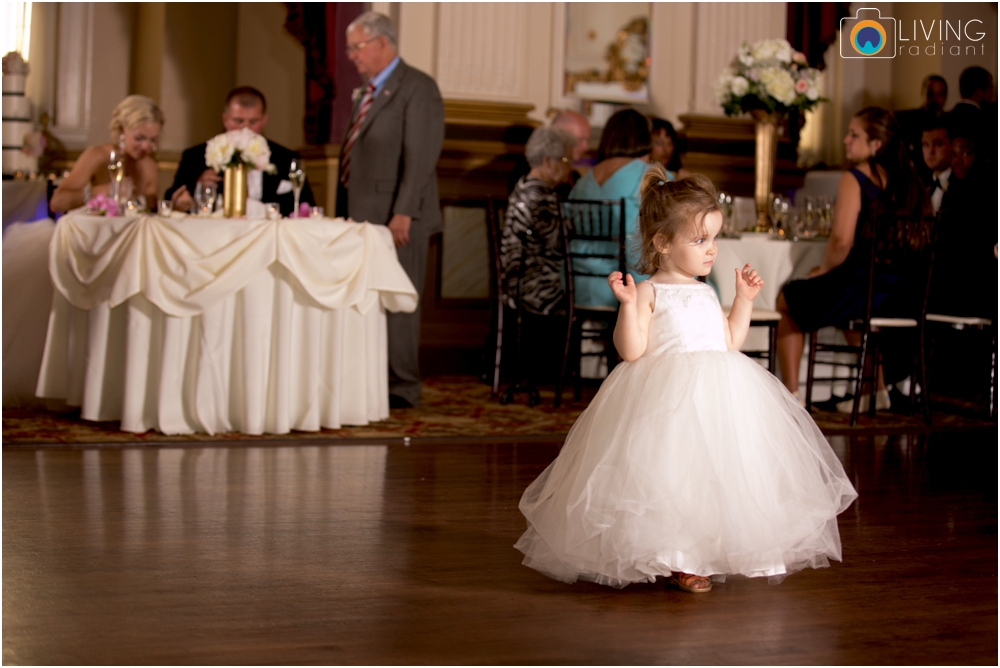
(764, 159)
(234, 194)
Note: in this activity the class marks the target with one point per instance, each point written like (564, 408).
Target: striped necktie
(345, 160)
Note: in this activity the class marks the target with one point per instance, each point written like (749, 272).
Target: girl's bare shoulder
(646, 294)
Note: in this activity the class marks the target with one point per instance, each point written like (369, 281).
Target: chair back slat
(600, 223)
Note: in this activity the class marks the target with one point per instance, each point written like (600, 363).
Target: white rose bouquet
(236, 146)
(770, 76)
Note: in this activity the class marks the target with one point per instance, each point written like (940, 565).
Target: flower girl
(692, 462)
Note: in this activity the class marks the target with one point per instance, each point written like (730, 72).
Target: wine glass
(809, 215)
(297, 175)
(775, 211)
(726, 205)
(825, 214)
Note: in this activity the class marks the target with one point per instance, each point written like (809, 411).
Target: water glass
(204, 196)
(166, 208)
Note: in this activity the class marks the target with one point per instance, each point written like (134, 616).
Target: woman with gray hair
(531, 253)
(531, 230)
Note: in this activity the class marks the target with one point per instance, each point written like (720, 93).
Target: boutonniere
(356, 94)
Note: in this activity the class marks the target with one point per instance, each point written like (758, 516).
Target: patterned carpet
(455, 407)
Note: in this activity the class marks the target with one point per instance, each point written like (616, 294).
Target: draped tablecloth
(777, 262)
(190, 324)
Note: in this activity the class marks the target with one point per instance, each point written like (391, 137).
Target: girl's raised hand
(625, 292)
(748, 283)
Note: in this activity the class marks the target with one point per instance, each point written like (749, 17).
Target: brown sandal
(695, 584)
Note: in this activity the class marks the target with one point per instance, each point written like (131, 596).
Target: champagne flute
(114, 165)
(297, 175)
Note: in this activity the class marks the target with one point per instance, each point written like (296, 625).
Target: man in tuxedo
(245, 108)
(912, 122)
(388, 174)
(936, 146)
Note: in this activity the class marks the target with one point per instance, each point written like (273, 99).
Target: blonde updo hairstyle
(668, 210)
(132, 111)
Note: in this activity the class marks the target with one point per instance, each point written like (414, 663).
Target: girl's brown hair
(668, 209)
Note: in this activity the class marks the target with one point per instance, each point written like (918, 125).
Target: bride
(135, 124)
(27, 288)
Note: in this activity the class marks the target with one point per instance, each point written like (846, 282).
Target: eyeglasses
(354, 48)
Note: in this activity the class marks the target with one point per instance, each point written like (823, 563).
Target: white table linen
(777, 262)
(212, 325)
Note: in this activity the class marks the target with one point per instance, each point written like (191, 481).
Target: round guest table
(192, 324)
(777, 262)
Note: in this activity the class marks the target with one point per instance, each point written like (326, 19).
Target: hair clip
(660, 183)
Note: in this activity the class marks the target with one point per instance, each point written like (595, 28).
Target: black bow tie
(937, 185)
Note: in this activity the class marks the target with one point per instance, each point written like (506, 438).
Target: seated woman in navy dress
(880, 200)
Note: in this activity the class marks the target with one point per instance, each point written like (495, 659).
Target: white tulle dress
(692, 458)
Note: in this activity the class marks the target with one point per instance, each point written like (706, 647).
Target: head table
(187, 324)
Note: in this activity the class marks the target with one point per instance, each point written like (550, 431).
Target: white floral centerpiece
(239, 146)
(772, 82)
(769, 76)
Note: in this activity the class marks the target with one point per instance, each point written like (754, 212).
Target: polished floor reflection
(385, 554)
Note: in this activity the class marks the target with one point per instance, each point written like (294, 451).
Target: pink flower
(801, 86)
(800, 58)
(103, 205)
(34, 144)
(754, 74)
(304, 210)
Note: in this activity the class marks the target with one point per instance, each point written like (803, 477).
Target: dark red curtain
(314, 24)
(320, 28)
(812, 27)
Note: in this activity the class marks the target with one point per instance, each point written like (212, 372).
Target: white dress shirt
(938, 193)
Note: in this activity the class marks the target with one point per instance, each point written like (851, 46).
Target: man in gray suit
(387, 174)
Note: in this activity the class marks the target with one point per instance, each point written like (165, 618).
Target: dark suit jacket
(192, 166)
(393, 165)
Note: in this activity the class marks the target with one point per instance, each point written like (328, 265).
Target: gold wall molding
(487, 113)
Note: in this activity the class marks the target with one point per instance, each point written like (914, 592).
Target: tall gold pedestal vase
(234, 195)
(764, 159)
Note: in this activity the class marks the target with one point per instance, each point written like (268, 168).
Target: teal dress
(623, 184)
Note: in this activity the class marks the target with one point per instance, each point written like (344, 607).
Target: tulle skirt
(698, 462)
(27, 298)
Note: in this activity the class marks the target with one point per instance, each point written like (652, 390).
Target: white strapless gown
(692, 459)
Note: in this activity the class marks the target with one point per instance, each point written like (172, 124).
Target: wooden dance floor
(391, 554)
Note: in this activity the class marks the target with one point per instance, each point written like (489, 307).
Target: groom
(245, 108)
